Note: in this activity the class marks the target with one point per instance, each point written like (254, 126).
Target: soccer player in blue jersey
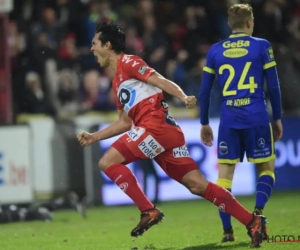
(241, 64)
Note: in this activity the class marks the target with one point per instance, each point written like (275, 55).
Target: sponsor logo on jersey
(164, 104)
(270, 54)
(180, 152)
(223, 148)
(142, 69)
(261, 142)
(150, 147)
(135, 133)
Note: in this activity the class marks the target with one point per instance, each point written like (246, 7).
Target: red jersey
(133, 94)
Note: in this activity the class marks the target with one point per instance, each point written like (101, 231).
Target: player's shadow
(213, 246)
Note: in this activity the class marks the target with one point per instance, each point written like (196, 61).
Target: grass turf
(189, 225)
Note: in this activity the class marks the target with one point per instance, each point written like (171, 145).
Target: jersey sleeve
(270, 73)
(268, 55)
(210, 62)
(138, 69)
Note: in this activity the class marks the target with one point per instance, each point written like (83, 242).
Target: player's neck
(241, 31)
(113, 60)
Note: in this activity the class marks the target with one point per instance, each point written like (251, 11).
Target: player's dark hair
(238, 14)
(110, 32)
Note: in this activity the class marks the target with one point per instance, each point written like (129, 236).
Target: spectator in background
(134, 43)
(67, 51)
(17, 51)
(67, 94)
(50, 27)
(157, 31)
(98, 11)
(97, 92)
(154, 43)
(34, 100)
(46, 37)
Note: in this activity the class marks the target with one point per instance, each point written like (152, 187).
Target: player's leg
(225, 177)
(185, 171)
(229, 153)
(113, 165)
(264, 186)
(260, 150)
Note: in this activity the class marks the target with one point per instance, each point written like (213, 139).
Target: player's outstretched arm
(123, 124)
(171, 88)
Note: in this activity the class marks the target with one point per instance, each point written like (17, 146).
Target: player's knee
(197, 189)
(266, 166)
(195, 182)
(103, 164)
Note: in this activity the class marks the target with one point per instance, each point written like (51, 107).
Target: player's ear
(248, 23)
(108, 45)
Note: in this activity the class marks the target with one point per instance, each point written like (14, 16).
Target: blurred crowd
(53, 71)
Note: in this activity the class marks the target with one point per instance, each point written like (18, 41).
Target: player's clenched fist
(85, 139)
(190, 101)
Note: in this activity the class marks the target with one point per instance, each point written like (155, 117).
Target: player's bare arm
(171, 88)
(120, 126)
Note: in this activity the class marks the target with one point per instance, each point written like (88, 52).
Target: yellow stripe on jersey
(269, 65)
(238, 35)
(209, 70)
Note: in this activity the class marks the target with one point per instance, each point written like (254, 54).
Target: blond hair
(238, 14)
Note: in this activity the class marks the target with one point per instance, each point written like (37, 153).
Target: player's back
(239, 62)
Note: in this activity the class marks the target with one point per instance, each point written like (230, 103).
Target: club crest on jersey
(135, 133)
(142, 69)
(150, 147)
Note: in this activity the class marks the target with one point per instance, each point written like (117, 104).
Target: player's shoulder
(242, 38)
(128, 61)
(130, 58)
(261, 41)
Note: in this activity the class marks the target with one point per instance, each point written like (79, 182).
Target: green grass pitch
(189, 225)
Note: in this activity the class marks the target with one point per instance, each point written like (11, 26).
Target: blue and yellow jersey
(239, 64)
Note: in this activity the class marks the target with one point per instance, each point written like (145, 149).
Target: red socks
(125, 179)
(227, 203)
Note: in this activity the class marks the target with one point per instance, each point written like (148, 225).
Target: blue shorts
(257, 142)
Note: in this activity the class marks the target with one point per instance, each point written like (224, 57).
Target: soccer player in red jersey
(155, 135)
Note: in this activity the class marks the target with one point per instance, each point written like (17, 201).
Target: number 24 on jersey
(242, 85)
